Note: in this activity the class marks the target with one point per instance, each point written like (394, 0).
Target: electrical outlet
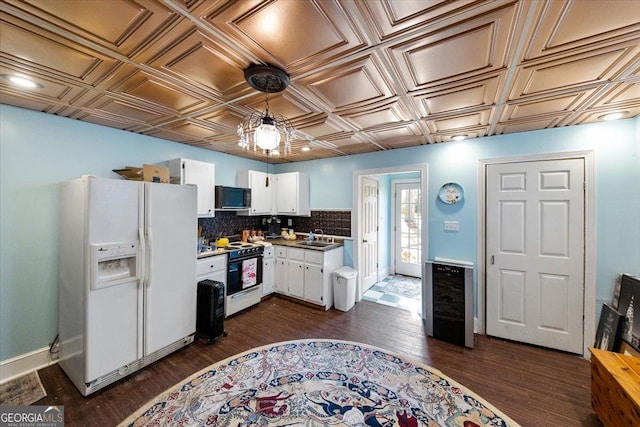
(451, 226)
(289, 222)
(264, 221)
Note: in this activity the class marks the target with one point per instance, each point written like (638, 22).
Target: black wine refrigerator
(448, 302)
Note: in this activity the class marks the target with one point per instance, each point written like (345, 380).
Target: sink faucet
(321, 233)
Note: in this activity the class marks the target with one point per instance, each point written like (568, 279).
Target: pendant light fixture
(266, 130)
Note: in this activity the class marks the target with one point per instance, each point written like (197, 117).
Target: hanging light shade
(264, 130)
(267, 135)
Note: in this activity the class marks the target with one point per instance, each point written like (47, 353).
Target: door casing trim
(589, 263)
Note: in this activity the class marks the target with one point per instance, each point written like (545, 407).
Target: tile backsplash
(337, 223)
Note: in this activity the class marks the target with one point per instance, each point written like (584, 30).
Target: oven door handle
(246, 291)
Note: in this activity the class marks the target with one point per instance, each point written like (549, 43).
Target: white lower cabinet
(268, 270)
(282, 271)
(296, 272)
(314, 277)
(212, 268)
(306, 274)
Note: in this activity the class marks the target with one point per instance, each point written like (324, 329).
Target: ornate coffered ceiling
(366, 75)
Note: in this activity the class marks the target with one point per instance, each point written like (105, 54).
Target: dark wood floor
(534, 386)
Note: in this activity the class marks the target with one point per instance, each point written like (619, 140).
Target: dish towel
(249, 272)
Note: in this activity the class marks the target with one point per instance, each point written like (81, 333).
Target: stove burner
(239, 250)
(235, 245)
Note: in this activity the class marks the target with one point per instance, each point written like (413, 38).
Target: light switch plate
(451, 226)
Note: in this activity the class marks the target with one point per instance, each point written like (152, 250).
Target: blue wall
(37, 151)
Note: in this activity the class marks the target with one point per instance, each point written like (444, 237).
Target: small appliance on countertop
(273, 228)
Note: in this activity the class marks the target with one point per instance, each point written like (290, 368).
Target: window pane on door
(410, 235)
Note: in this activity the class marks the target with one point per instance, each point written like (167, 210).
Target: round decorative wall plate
(451, 193)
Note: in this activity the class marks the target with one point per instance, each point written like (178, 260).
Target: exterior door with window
(535, 252)
(408, 233)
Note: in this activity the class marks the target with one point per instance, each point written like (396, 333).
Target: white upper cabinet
(292, 193)
(261, 191)
(200, 174)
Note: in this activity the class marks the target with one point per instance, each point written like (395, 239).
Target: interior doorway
(386, 217)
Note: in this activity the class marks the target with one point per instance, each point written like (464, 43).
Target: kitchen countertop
(208, 253)
(280, 242)
(297, 244)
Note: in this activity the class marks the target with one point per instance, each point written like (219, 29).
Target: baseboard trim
(25, 363)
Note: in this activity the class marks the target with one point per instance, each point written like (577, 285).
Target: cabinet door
(296, 279)
(261, 194)
(313, 283)
(282, 272)
(202, 175)
(268, 276)
(287, 193)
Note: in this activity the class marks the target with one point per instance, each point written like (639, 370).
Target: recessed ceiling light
(21, 81)
(459, 137)
(306, 148)
(614, 116)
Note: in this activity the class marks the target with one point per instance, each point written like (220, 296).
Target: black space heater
(448, 302)
(210, 310)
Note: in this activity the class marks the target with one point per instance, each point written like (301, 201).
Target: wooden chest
(615, 388)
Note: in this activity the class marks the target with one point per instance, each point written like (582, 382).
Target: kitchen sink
(315, 244)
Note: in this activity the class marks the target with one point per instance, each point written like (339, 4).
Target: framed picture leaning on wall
(607, 336)
(629, 309)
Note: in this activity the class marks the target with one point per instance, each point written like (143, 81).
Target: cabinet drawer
(296, 254)
(314, 257)
(281, 251)
(210, 264)
(268, 252)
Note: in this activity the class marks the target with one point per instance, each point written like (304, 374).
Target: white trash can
(344, 288)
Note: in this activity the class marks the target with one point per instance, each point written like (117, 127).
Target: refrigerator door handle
(141, 257)
(142, 267)
(149, 246)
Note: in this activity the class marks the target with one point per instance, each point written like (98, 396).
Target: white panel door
(408, 233)
(170, 286)
(369, 232)
(535, 253)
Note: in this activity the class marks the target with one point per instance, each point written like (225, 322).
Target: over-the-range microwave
(232, 197)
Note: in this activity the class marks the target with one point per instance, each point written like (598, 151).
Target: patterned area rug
(22, 391)
(316, 382)
(402, 286)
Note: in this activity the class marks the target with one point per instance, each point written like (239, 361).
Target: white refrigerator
(127, 265)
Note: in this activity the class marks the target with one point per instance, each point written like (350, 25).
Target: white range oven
(244, 276)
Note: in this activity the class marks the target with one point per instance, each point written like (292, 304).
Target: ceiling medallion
(266, 78)
(263, 130)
